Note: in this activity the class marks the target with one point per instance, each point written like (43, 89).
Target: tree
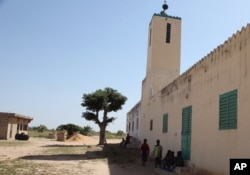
(120, 133)
(42, 128)
(70, 128)
(107, 100)
(87, 130)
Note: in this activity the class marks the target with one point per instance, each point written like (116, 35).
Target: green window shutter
(186, 132)
(228, 110)
(186, 120)
(165, 123)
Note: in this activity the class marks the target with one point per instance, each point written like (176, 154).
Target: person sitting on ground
(145, 150)
(166, 159)
(179, 161)
(171, 160)
(122, 143)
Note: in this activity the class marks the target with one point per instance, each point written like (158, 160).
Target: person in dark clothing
(166, 159)
(179, 161)
(171, 160)
(127, 141)
(145, 150)
(122, 143)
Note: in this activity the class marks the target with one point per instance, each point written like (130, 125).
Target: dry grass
(42, 163)
(21, 167)
(44, 134)
(13, 143)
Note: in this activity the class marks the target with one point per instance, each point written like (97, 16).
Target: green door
(186, 132)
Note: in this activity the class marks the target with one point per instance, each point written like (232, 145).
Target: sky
(54, 51)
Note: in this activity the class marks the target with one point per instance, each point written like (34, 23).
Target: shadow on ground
(120, 161)
(112, 152)
(61, 146)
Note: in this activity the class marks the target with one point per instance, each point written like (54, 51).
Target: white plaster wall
(218, 73)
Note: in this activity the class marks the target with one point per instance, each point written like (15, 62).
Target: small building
(133, 121)
(12, 124)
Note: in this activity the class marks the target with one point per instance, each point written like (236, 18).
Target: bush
(70, 128)
(87, 130)
(120, 133)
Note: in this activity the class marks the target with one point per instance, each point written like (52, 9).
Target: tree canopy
(40, 128)
(102, 100)
(70, 128)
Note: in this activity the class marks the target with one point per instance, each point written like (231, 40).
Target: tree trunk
(102, 138)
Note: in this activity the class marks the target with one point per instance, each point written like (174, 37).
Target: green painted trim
(165, 15)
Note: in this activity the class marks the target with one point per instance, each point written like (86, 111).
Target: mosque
(203, 112)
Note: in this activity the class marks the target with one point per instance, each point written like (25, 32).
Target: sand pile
(80, 138)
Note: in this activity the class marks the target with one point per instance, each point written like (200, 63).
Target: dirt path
(84, 163)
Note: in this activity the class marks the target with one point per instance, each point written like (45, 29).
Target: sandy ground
(74, 166)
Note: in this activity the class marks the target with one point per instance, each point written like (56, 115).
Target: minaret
(164, 46)
(163, 66)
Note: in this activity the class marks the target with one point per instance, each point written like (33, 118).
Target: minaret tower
(163, 57)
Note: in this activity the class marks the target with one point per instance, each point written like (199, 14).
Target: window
(21, 127)
(137, 123)
(168, 33)
(151, 125)
(165, 123)
(228, 110)
(186, 120)
(133, 126)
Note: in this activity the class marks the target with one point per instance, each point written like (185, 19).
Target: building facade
(133, 117)
(12, 124)
(204, 111)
